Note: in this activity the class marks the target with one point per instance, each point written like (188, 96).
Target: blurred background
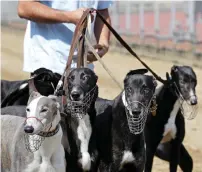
(162, 33)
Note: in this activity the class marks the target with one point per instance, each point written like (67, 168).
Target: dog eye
(27, 109)
(85, 77)
(71, 78)
(128, 90)
(182, 82)
(146, 91)
(44, 110)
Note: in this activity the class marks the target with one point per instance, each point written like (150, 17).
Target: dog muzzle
(80, 108)
(136, 121)
(188, 110)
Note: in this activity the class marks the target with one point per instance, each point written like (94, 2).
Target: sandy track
(119, 64)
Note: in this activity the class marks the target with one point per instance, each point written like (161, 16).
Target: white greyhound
(41, 125)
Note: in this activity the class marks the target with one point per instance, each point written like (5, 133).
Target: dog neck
(52, 127)
(167, 94)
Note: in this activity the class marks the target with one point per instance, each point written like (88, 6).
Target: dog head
(186, 81)
(41, 111)
(80, 83)
(45, 81)
(137, 97)
(139, 90)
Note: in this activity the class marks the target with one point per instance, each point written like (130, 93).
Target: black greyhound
(119, 127)
(167, 124)
(81, 93)
(17, 92)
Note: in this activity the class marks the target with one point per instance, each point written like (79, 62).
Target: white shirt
(48, 45)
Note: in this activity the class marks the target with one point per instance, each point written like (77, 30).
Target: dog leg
(46, 166)
(93, 153)
(149, 158)
(85, 161)
(35, 164)
(58, 160)
(186, 162)
(175, 152)
(163, 151)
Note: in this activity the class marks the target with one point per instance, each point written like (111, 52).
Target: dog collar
(49, 134)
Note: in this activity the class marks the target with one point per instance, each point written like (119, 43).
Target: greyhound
(167, 124)
(41, 137)
(121, 143)
(81, 95)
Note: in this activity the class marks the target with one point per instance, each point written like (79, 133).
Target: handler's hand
(76, 15)
(101, 51)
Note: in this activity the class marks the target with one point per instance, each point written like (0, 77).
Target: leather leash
(128, 47)
(77, 37)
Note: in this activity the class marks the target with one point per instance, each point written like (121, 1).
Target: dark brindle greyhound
(17, 92)
(167, 124)
(81, 93)
(120, 127)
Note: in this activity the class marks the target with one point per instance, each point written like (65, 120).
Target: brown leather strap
(81, 25)
(78, 32)
(80, 62)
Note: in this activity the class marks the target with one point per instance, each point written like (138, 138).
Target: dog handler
(50, 29)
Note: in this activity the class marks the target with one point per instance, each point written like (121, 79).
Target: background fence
(159, 26)
(163, 26)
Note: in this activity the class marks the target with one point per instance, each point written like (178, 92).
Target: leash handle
(127, 46)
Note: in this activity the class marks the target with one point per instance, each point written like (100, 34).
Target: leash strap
(128, 47)
(78, 31)
(102, 63)
(77, 34)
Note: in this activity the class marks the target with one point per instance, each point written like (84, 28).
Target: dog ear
(137, 71)
(155, 82)
(168, 76)
(54, 98)
(174, 68)
(33, 96)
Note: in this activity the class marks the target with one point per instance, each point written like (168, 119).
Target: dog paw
(46, 167)
(85, 161)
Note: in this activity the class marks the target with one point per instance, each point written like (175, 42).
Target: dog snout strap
(34, 118)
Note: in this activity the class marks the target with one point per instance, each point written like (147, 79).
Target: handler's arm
(102, 33)
(38, 12)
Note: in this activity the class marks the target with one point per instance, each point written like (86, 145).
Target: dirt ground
(119, 64)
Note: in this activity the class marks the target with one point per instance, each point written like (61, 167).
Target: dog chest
(84, 131)
(170, 129)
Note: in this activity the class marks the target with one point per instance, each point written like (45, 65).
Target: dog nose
(193, 101)
(136, 112)
(75, 95)
(28, 129)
